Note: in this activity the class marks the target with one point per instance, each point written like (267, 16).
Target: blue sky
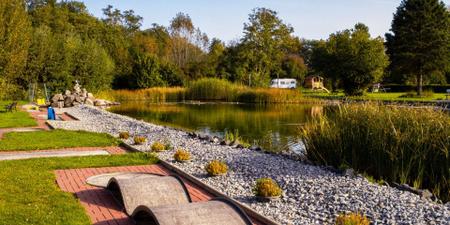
(224, 19)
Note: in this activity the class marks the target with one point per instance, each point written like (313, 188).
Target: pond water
(274, 127)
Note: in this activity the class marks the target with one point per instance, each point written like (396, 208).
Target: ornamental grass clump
(266, 187)
(139, 140)
(394, 143)
(352, 219)
(182, 155)
(124, 135)
(216, 168)
(158, 147)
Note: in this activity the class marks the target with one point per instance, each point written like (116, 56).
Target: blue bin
(51, 115)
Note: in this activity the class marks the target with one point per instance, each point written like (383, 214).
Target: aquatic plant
(266, 187)
(216, 167)
(352, 219)
(182, 155)
(393, 143)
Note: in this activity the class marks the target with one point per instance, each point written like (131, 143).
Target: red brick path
(99, 203)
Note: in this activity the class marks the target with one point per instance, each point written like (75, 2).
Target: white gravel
(312, 194)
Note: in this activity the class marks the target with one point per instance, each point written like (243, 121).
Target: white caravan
(283, 83)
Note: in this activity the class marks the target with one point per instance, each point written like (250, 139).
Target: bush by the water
(266, 187)
(156, 95)
(352, 219)
(216, 167)
(212, 89)
(393, 143)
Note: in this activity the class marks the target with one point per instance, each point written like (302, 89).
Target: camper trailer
(283, 83)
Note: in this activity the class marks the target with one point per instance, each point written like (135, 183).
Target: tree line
(58, 42)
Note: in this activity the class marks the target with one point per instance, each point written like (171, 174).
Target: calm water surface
(274, 127)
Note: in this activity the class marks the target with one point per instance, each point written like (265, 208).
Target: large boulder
(100, 102)
(67, 93)
(57, 97)
(89, 102)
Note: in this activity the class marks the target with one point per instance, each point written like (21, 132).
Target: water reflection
(274, 127)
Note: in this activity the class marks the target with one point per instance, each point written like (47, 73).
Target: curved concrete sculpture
(148, 191)
(215, 212)
(102, 180)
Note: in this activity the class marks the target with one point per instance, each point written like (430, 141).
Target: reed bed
(155, 95)
(391, 143)
(210, 89)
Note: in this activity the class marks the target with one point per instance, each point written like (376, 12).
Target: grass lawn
(54, 139)
(29, 194)
(14, 119)
(382, 96)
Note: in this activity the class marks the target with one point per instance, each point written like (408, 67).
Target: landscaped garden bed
(310, 194)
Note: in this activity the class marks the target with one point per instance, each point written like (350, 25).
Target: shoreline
(312, 194)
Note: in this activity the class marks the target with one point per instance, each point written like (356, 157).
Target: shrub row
(408, 88)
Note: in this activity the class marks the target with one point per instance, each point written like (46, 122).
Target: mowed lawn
(54, 139)
(16, 119)
(382, 96)
(29, 194)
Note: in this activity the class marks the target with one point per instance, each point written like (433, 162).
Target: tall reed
(392, 143)
(213, 89)
(156, 95)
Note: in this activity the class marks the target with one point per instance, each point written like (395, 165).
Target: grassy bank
(54, 139)
(397, 144)
(210, 89)
(29, 194)
(382, 96)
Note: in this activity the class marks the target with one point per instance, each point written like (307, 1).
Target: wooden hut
(315, 83)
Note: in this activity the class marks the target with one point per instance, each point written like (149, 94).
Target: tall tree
(15, 35)
(420, 40)
(352, 57)
(265, 43)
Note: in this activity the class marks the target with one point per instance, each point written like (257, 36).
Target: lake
(274, 127)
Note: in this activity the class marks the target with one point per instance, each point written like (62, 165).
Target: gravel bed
(312, 194)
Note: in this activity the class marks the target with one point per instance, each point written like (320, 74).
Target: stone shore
(312, 194)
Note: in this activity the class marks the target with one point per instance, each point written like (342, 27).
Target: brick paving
(99, 203)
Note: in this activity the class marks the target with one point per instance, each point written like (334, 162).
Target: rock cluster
(76, 97)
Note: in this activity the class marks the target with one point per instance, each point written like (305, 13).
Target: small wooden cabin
(315, 83)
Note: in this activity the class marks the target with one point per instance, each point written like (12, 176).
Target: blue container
(51, 115)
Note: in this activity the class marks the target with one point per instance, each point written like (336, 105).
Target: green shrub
(215, 168)
(139, 140)
(182, 155)
(266, 187)
(352, 219)
(158, 147)
(396, 144)
(124, 135)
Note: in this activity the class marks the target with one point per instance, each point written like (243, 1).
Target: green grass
(391, 143)
(29, 194)
(14, 119)
(54, 139)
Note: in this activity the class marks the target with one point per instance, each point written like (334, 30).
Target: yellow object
(40, 101)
